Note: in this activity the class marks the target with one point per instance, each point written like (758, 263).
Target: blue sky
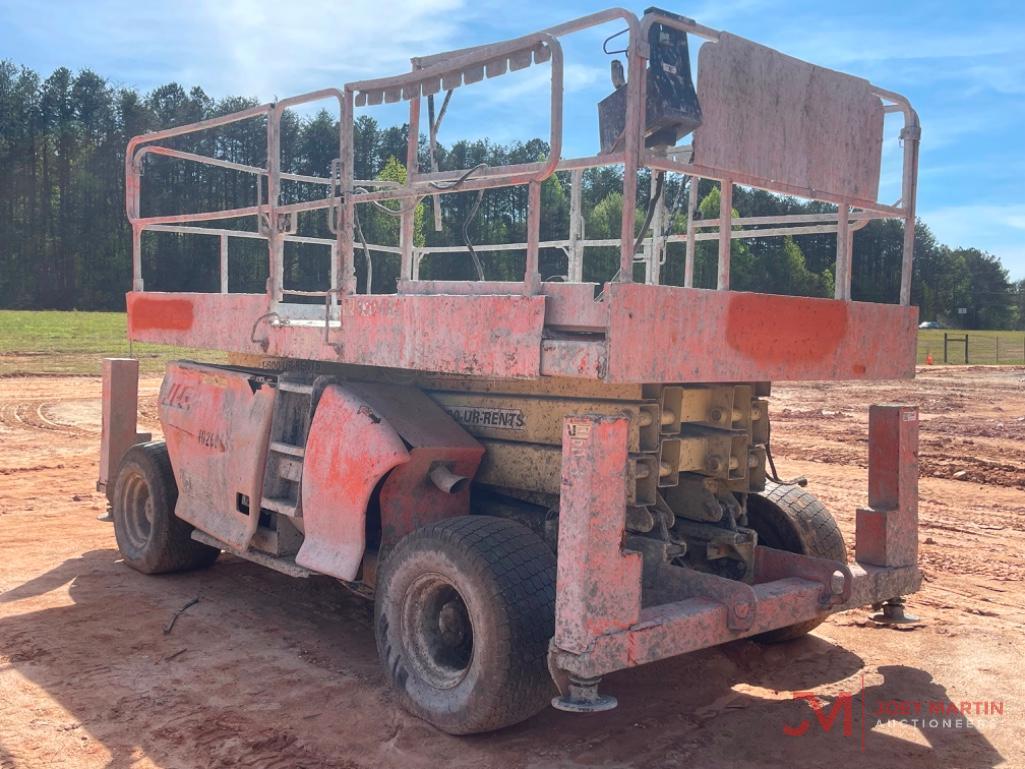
(961, 64)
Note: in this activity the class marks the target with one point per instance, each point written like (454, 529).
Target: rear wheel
(151, 539)
(464, 612)
(790, 518)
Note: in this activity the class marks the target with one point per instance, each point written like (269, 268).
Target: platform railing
(276, 221)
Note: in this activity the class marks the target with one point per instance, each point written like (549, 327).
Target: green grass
(53, 342)
(984, 347)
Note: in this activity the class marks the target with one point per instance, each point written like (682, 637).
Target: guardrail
(277, 222)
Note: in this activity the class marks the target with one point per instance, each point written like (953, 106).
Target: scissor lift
(537, 480)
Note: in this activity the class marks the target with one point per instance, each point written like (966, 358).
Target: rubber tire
(505, 575)
(169, 546)
(790, 518)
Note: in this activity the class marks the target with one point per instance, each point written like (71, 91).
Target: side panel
(476, 335)
(217, 425)
(670, 334)
(786, 121)
(349, 449)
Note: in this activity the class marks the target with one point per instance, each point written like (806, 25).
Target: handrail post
(224, 264)
(575, 268)
(137, 284)
(348, 206)
(407, 226)
(725, 233)
(275, 244)
(657, 244)
(692, 210)
(911, 136)
(532, 275)
(633, 139)
(842, 289)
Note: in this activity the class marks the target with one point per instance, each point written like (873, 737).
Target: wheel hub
(452, 623)
(437, 631)
(137, 507)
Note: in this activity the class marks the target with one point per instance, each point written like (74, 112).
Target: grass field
(984, 347)
(53, 342)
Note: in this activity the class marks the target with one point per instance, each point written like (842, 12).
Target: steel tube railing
(276, 219)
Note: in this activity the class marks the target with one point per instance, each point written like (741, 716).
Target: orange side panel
(671, 334)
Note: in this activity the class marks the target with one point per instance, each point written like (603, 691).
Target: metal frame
(276, 221)
(602, 623)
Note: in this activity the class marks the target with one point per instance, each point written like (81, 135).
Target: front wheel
(464, 613)
(151, 539)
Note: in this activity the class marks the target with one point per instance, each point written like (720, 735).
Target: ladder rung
(290, 469)
(284, 565)
(287, 448)
(283, 506)
(295, 387)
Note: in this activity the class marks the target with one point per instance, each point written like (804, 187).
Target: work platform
(807, 131)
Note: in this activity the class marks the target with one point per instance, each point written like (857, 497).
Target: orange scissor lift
(536, 480)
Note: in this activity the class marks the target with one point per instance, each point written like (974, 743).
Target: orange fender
(349, 449)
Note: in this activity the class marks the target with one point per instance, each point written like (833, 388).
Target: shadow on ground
(269, 671)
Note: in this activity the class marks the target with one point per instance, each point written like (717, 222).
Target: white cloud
(997, 228)
(276, 49)
(838, 43)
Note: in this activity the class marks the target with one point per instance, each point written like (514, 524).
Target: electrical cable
(366, 250)
(461, 180)
(659, 183)
(466, 235)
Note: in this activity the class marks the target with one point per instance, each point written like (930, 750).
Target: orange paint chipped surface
(150, 313)
(775, 329)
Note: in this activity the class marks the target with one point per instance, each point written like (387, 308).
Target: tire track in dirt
(39, 414)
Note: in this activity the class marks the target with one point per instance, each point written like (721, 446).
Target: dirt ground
(267, 671)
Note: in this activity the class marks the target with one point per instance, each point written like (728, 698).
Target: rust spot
(147, 313)
(369, 414)
(777, 329)
(859, 368)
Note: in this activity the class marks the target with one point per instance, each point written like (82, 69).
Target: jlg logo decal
(178, 396)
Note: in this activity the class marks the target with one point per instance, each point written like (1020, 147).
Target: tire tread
(797, 521)
(520, 570)
(176, 551)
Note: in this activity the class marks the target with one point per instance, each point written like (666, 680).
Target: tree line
(65, 241)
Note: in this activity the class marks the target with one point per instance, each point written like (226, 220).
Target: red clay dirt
(267, 671)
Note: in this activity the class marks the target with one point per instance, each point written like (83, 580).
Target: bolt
(837, 583)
